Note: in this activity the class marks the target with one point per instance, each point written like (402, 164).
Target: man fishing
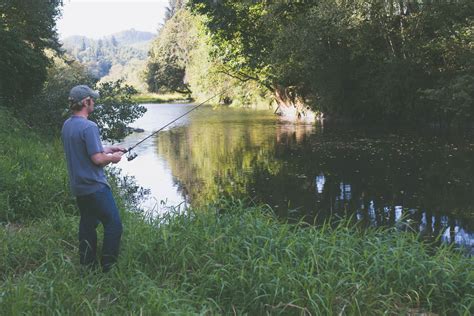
(86, 158)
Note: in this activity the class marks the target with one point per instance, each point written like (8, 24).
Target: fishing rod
(131, 155)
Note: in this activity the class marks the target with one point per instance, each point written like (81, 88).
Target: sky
(97, 18)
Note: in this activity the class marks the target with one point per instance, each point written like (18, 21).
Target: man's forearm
(102, 159)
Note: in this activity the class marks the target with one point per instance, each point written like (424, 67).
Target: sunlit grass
(161, 97)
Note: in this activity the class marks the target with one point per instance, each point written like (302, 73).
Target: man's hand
(114, 149)
(116, 156)
(103, 159)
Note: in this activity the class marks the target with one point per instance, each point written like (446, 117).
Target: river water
(412, 180)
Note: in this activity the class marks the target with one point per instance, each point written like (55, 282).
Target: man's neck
(81, 113)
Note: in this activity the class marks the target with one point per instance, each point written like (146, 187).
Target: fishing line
(131, 155)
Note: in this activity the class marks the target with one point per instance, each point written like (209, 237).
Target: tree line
(101, 55)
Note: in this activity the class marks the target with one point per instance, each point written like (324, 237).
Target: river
(414, 180)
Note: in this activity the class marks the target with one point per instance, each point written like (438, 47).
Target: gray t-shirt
(81, 140)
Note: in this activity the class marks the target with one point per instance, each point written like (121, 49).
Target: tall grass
(33, 176)
(243, 261)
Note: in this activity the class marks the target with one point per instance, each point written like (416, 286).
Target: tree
(27, 28)
(243, 37)
(173, 7)
(114, 42)
(169, 54)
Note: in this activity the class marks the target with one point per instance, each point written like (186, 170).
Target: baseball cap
(78, 93)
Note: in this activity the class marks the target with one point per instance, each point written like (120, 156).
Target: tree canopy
(363, 59)
(27, 29)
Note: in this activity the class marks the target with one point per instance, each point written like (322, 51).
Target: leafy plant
(116, 110)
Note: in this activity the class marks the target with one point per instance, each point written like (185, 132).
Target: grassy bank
(33, 177)
(243, 261)
(161, 98)
(240, 261)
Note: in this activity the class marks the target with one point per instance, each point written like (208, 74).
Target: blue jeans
(99, 207)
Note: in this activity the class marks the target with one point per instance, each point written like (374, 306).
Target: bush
(47, 110)
(116, 110)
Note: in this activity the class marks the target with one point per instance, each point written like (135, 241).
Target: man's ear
(86, 102)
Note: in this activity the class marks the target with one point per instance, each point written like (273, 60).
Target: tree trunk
(291, 106)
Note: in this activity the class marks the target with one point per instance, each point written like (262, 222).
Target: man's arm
(97, 153)
(102, 159)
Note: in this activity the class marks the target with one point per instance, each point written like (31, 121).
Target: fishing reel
(130, 155)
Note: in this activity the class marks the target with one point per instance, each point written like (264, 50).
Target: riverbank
(243, 261)
(161, 98)
(231, 259)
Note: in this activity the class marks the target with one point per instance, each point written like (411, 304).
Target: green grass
(33, 176)
(226, 260)
(161, 98)
(244, 261)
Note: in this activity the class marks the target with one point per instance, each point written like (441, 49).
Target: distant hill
(124, 51)
(132, 36)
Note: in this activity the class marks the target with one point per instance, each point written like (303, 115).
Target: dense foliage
(366, 60)
(131, 73)
(169, 54)
(27, 28)
(48, 108)
(180, 60)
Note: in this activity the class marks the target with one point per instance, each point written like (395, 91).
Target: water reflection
(151, 169)
(320, 181)
(430, 226)
(380, 178)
